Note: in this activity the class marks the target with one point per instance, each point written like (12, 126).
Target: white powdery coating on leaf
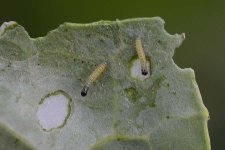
(135, 70)
(53, 112)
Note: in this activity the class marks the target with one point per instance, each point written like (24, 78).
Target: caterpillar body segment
(141, 56)
(93, 77)
(96, 73)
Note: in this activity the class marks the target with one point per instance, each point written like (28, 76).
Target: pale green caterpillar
(93, 76)
(141, 56)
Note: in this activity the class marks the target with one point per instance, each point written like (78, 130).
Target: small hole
(65, 30)
(88, 35)
(168, 85)
(9, 65)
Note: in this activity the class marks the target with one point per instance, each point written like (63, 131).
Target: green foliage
(163, 111)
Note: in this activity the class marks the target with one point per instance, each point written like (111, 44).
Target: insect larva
(141, 56)
(93, 76)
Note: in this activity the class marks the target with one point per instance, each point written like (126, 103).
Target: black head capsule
(144, 72)
(84, 91)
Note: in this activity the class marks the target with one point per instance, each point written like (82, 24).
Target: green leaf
(41, 79)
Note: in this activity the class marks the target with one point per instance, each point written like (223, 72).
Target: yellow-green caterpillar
(93, 77)
(141, 56)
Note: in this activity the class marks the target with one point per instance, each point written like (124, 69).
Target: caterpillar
(93, 77)
(141, 56)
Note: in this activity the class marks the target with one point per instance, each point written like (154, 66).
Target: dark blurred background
(203, 21)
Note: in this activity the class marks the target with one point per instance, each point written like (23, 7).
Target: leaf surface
(162, 111)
